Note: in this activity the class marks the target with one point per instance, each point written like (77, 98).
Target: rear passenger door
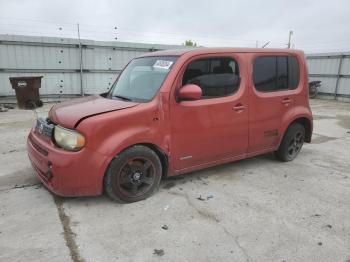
(274, 79)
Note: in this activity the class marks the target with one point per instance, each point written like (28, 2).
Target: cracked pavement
(256, 209)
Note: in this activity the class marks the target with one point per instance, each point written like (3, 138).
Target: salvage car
(170, 113)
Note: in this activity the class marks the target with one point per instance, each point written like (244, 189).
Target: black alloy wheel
(292, 142)
(133, 175)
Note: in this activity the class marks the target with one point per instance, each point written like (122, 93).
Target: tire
(292, 143)
(133, 175)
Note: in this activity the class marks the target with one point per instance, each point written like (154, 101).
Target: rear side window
(216, 77)
(275, 73)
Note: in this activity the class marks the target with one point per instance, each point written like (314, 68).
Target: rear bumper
(66, 173)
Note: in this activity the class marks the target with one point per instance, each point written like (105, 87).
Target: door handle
(239, 108)
(286, 101)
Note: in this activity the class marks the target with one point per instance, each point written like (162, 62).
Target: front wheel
(133, 175)
(292, 142)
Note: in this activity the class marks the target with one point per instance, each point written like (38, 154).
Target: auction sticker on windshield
(163, 64)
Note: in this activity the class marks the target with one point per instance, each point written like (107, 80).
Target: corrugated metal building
(58, 60)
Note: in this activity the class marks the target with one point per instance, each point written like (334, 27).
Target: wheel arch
(306, 123)
(161, 154)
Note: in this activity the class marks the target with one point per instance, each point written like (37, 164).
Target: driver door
(215, 127)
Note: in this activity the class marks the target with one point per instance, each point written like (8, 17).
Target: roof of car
(206, 50)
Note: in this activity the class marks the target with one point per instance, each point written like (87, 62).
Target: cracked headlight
(69, 139)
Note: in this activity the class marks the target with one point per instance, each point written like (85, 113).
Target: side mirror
(190, 92)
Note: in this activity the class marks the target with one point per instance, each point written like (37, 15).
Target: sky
(318, 26)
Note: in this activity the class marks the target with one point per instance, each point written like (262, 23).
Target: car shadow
(215, 171)
(200, 176)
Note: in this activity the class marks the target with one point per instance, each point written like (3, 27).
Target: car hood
(68, 114)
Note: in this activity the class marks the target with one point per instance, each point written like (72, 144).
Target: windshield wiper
(122, 97)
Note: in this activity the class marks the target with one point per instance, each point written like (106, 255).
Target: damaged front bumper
(63, 172)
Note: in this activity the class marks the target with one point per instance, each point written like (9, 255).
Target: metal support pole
(338, 76)
(289, 39)
(81, 64)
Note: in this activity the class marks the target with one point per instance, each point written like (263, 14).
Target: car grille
(44, 128)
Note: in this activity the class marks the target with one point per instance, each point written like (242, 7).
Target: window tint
(273, 73)
(282, 72)
(215, 76)
(293, 72)
(265, 73)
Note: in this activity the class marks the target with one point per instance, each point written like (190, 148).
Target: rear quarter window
(276, 73)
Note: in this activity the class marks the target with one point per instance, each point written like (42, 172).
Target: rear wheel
(133, 175)
(292, 142)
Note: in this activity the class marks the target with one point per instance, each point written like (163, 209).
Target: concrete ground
(257, 209)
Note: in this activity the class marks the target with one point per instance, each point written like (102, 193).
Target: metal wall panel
(96, 83)
(323, 66)
(328, 84)
(38, 57)
(344, 86)
(52, 83)
(58, 60)
(345, 69)
(333, 69)
(105, 59)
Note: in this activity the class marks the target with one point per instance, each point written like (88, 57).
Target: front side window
(216, 77)
(275, 73)
(142, 78)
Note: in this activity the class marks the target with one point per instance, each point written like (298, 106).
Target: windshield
(142, 78)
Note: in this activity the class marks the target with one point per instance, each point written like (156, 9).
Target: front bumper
(63, 172)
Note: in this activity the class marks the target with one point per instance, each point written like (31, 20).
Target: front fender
(117, 143)
(111, 133)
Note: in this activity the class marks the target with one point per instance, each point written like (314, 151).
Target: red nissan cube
(172, 112)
